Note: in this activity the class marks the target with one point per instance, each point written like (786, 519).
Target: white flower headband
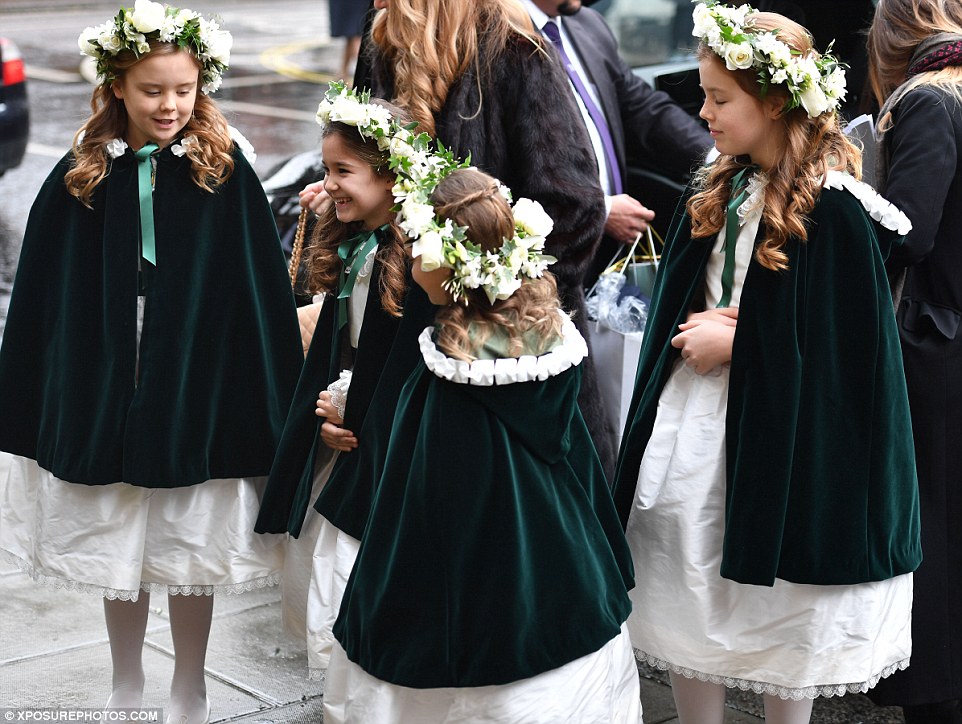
(132, 28)
(442, 244)
(815, 82)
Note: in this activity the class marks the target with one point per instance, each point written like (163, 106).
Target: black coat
(521, 125)
(925, 181)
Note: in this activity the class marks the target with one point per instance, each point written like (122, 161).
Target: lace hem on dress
(782, 692)
(129, 595)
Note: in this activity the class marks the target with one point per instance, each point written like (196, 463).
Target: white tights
(700, 702)
(190, 619)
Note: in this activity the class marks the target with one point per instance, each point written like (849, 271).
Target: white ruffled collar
(873, 202)
(117, 147)
(527, 368)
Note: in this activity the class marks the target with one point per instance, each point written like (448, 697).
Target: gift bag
(618, 309)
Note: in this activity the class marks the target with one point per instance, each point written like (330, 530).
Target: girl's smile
(358, 192)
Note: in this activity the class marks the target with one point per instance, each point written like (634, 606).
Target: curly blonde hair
(211, 161)
(813, 146)
(323, 264)
(529, 317)
(899, 26)
(431, 45)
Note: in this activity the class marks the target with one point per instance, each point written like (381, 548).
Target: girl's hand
(706, 339)
(332, 434)
(313, 197)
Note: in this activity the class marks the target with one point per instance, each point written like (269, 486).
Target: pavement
(54, 655)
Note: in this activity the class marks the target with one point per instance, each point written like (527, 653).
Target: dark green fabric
(287, 495)
(493, 552)
(220, 352)
(821, 484)
(347, 496)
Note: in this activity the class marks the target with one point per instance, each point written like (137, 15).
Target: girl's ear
(118, 90)
(772, 106)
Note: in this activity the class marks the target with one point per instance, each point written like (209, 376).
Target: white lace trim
(527, 368)
(782, 692)
(317, 674)
(243, 144)
(883, 211)
(755, 202)
(128, 595)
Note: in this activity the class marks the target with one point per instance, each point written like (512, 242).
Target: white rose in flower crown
(147, 16)
(219, 43)
(349, 111)
(417, 216)
(531, 218)
(703, 19)
(429, 249)
(110, 42)
(739, 56)
(85, 41)
(814, 100)
(401, 146)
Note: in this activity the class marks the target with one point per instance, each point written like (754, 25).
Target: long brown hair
(813, 146)
(431, 44)
(211, 161)
(897, 29)
(323, 264)
(470, 198)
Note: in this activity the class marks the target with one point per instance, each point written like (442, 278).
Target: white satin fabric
(600, 688)
(116, 540)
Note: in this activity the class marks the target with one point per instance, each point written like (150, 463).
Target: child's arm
(706, 338)
(332, 434)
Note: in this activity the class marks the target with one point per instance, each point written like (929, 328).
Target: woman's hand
(706, 338)
(313, 197)
(332, 434)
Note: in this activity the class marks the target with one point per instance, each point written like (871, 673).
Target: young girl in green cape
(357, 260)
(491, 582)
(150, 353)
(766, 476)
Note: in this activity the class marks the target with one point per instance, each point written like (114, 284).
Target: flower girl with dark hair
(150, 353)
(491, 582)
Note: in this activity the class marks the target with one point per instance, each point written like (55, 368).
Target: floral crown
(132, 28)
(815, 82)
(438, 243)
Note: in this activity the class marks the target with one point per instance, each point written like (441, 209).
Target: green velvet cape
(821, 484)
(287, 495)
(493, 551)
(220, 351)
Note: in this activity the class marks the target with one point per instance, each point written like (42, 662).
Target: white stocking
(786, 711)
(126, 624)
(190, 618)
(697, 702)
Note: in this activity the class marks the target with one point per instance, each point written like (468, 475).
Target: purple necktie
(553, 33)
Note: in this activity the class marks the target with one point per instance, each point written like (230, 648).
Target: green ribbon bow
(145, 188)
(352, 252)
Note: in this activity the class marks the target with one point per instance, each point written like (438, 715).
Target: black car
(14, 112)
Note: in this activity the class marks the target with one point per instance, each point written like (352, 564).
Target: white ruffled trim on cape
(782, 692)
(880, 209)
(127, 595)
(505, 371)
(246, 147)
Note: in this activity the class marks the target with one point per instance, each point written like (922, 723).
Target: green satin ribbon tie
(738, 195)
(352, 252)
(145, 188)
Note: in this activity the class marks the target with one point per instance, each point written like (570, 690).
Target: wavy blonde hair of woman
(529, 317)
(211, 161)
(813, 147)
(431, 44)
(896, 31)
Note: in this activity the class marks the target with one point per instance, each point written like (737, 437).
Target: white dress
(117, 540)
(791, 640)
(332, 551)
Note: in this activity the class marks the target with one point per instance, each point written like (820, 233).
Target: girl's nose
(168, 101)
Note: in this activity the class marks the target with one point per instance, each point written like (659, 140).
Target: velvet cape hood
(287, 495)
(220, 351)
(821, 484)
(493, 551)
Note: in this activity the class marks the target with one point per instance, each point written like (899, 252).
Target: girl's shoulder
(568, 353)
(871, 201)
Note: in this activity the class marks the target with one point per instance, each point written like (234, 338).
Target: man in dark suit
(642, 123)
